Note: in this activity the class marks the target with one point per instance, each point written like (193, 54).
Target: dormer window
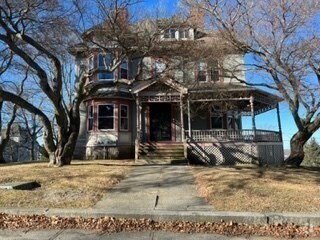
(183, 33)
(170, 33)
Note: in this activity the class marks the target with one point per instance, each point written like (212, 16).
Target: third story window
(105, 60)
(106, 117)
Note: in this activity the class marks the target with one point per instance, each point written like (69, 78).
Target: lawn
(79, 185)
(257, 189)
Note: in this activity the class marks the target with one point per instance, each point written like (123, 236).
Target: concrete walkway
(157, 187)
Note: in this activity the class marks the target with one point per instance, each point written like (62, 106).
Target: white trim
(114, 115)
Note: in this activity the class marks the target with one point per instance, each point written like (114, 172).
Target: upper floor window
(170, 33)
(91, 62)
(183, 33)
(160, 67)
(124, 117)
(215, 72)
(90, 117)
(106, 76)
(124, 69)
(106, 117)
(202, 72)
(105, 60)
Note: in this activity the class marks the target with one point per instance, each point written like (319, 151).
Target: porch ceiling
(236, 98)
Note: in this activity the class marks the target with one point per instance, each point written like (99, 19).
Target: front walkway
(164, 187)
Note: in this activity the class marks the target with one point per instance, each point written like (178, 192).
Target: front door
(160, 122)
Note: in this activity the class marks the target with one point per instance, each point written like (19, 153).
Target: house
(19, 146)
(191, 111)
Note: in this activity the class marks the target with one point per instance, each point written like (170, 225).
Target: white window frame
(185, 32)
(114, 117)
(90, 117)
(120, 117)
(91, 67)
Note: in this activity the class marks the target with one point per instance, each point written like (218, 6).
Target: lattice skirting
(109, 152)
(232, 153)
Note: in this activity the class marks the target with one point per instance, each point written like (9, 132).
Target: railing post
(253, 117)
(189, 119)
(181, 118)
(279, 123)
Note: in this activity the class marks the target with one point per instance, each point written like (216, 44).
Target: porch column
(279, 122)
(189, 119)
(253, 116)
(137, 141)
(181, 118)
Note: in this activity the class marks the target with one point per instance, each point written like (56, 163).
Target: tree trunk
(297, 143)
(2, 160)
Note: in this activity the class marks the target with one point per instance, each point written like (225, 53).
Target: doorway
(160, 122)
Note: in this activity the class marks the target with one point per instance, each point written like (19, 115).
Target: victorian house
(192, 114)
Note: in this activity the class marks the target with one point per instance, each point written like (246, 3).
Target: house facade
(191, 111)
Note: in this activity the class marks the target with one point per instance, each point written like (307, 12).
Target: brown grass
(260, 189)
(79, 185)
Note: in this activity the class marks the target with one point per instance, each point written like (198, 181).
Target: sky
(267, 120)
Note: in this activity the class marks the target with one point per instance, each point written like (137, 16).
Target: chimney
(197, 17)
(122, 17)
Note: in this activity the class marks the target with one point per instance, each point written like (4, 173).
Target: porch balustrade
(214, 135)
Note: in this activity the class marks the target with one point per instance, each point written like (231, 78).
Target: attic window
(170, 33)
(183, 33)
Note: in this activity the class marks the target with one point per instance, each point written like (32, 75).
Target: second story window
(124, 69)
(91, 62)
(202, 72)
(105, 61)
(215, 72)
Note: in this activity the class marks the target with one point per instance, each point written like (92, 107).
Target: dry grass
(79, 185)
(260, 189)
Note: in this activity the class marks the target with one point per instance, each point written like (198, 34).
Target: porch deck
(246, 135)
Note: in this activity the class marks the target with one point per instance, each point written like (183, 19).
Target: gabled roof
(142, 85)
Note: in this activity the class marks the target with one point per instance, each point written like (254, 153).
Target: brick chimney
(197, 17)
(122, 16)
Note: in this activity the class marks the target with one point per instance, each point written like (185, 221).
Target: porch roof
(236, 97)
(142, 85)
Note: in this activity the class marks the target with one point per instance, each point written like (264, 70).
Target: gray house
(193, 113)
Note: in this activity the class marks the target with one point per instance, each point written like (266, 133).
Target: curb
(163, 215)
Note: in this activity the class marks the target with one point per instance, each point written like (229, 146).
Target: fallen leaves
(111, 225)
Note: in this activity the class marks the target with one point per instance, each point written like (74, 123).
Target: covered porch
(231, 144)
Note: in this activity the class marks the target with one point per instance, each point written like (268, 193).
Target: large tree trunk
(2, 160)
(297, 143)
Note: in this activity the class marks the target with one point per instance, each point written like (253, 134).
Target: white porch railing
(214, 135)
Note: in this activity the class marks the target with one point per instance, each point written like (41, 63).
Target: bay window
(106, 117)
(124, 117)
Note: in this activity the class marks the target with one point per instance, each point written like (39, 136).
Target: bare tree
(282, 40)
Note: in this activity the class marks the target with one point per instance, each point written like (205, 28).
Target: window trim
(91, 56)
(128, 118)
(114, 117)
(90, 117)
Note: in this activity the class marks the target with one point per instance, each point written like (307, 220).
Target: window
(106, 117)
(106, 76)
(170, 33)
(202, 76)
(91, 62)
(105, 61)
(160, 67)
(90, 117)
(124, 117)
(124, 69)
(215, 73)
(183, 33)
